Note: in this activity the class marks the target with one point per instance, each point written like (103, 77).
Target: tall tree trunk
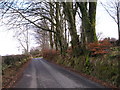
(52, 26)
(66, 42)
(88, 26)
(56, 42)
(88, 20)
(118, 18)
(59, 29)
(51, 39)
(92, 18)
(70, 16)
(27, 42)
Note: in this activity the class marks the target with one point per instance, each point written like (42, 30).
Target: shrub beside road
(11, 66)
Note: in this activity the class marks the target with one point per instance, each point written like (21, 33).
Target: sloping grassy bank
(104, 67)
(11, 66)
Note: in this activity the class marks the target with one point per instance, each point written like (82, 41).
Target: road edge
(94, 79)
(19, 74)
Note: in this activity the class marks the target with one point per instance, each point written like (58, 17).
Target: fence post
(0, 72)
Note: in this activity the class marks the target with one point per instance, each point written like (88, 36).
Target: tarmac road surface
(43, 74)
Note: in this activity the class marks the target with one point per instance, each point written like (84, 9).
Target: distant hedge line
(11, 59)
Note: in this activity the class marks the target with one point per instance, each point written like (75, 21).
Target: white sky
(7, 44)
(104, 24)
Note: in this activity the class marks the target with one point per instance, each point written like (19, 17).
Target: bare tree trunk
(88, 26)
(58, 26)
(51, 39)
(56, 42)
(52, 26)
(70, 15)
(88, 20)
(66, 43)
(118, 18)
(59, 29)
(92, 17)
(27, 42)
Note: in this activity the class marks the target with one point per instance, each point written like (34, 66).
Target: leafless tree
(56, 14)
(100, 36)
(112, 7)
(42, 38)
(19, 17)
(24, 39)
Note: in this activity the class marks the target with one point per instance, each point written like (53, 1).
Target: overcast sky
(104, 24)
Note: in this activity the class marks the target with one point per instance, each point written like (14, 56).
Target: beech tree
(70, 10)
(88, 20)
(88, 12)
(112, 7)
(61, 19)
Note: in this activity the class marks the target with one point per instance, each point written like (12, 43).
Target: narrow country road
(43, 74)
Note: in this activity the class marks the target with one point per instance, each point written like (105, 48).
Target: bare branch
(111, 15)
(31, 20)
